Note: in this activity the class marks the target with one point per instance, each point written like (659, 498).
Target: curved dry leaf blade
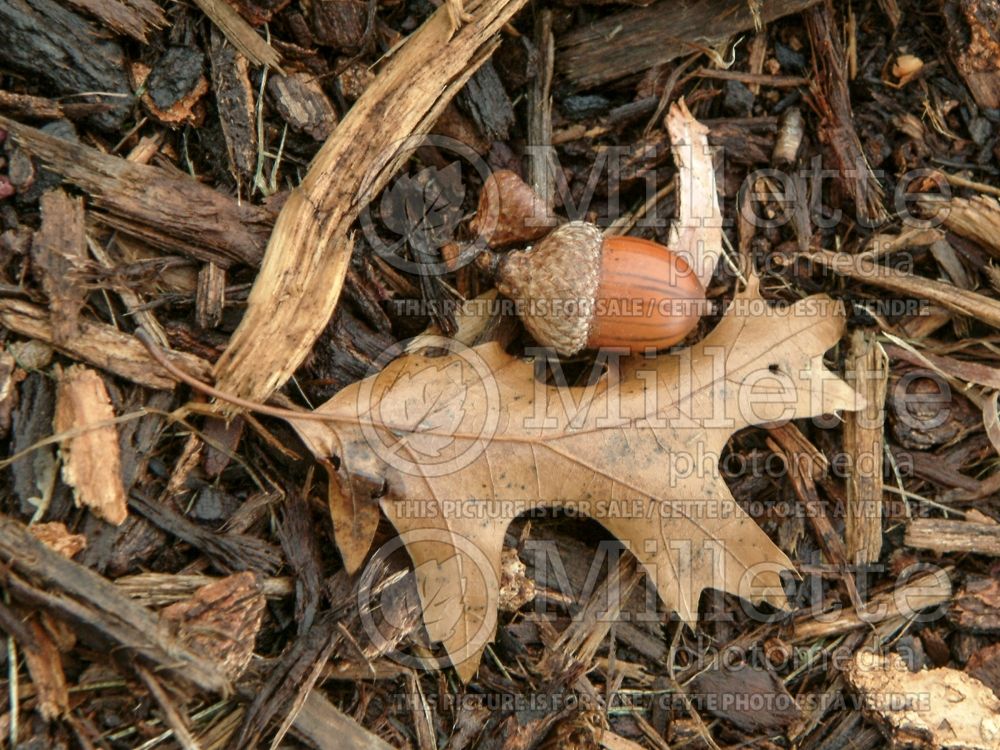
(638, 452)
(696, 233)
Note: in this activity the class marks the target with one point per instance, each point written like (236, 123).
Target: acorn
(577, 289)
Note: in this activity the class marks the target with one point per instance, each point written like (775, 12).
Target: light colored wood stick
(940, 535)
(306, 260)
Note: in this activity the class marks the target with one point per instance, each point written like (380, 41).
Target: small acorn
(577, 289)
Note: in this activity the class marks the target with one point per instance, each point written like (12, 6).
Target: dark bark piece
(833, 103)
(974, 42)
(741, 144)
(43, 660)
(234, 99)
(258, 12)
(642, 38)
(345, 353)
(71, 55)
(59, 252)
(136, 18)
(170, 211)
(230, 552)
(977, 606)
(302, 103)
(99, 612)
(339, 23)
(117, 550)
(486, 100)
(290, 680)
(33, 473)
(137, 438)
(175, 75)
(298, 538)
(984, 665)
(211, 296)
(737, 696)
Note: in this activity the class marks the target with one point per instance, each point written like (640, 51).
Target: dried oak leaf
(455, 447)
(91, 458)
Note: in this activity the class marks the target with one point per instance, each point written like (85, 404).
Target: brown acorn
(577, 289)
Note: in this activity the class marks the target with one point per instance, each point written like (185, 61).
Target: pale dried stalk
(961, 301)
(240, 33)
(868, 371)
(307, 256)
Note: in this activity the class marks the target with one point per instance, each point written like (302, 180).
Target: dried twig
(309, 251)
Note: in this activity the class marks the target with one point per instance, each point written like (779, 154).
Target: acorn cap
(556, 283)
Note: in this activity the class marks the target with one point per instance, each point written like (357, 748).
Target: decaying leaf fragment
(466, 442)
(935, 708)
(91, 459)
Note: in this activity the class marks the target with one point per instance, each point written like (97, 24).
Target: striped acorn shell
(577, 289)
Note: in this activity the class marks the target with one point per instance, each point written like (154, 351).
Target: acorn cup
(577, 289)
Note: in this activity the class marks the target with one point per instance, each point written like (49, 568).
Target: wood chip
(944, 536)
(977, 606)
(136, 18)
(59, 252)
(904, 601)
(221, 620)
(210, 298)
(57, 537)
(867, 370)
(169, 210)
(936, 708)
(91, 460)
(45, 667)
(961, 301)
